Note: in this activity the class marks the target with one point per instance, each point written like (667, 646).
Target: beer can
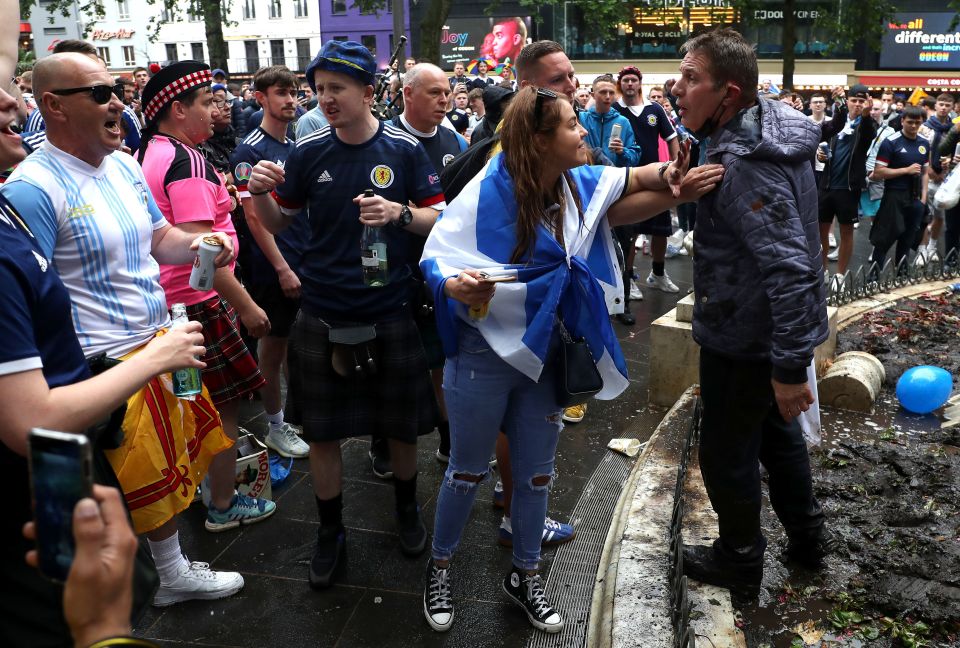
(201, 277)
(614, 133)
(479, 313)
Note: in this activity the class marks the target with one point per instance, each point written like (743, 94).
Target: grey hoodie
(757, 267)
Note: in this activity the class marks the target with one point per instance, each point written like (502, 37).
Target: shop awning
(905, 81)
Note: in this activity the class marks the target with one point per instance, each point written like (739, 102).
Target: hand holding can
(201, 277)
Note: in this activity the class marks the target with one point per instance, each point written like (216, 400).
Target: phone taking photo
(61, 475)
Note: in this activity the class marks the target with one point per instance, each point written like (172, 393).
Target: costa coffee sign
(101, 34)
(910, 81)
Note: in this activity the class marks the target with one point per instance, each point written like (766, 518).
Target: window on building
(303, 54)
(370, 42)
(276, 52)
(196, 51)
(252, 54)
(123, 10)
(54, 31)
(171, 52)
(249, 9)
(299, 8)
(194, 11)
(129, 57)
(166, 16)
(339, 7)
(275, 11)
(340, 38)
(104, 53)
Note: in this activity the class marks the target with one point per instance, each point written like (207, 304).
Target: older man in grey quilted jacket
(760, 310)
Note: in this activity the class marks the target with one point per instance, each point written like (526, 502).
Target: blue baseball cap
(346, 57)
(219, 72)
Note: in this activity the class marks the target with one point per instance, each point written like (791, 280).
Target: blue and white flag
(583, 283)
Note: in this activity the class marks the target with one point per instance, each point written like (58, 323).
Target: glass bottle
(186, 382)
(373, 254)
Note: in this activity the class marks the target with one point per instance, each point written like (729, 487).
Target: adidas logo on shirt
(325, 177)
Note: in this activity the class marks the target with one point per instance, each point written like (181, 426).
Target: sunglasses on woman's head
(99, 93)
(542, 94)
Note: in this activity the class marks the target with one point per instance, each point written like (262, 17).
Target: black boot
(328, 556)
(626, 317)
(715, 565)
(810, 549)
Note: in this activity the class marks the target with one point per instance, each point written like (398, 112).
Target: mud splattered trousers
(484, 395)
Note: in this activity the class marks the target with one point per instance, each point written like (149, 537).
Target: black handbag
(577, 378)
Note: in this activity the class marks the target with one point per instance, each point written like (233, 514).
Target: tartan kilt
(396, 403)
(231, 371)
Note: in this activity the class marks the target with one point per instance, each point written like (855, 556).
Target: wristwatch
(406, 217)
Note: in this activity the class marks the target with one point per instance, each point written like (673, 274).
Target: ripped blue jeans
(485, 395)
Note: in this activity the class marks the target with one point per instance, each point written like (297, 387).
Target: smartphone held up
(61, 466)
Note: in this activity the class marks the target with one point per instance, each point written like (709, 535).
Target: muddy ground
(890, 485)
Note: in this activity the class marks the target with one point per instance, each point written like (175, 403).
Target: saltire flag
(582, 283)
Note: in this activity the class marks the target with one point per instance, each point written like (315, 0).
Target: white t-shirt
(96, 224)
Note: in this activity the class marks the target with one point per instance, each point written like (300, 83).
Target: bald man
(93, 215)
(131, 121)
(426, 99)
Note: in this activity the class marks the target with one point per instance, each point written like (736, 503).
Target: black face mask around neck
(711, 124)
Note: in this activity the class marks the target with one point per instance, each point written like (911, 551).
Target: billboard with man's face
(495, 39)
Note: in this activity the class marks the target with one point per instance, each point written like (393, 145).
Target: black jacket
(862, 138)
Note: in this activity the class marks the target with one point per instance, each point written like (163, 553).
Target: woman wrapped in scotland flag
(525, 245)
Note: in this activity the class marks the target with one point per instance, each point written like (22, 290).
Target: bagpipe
(386, 110)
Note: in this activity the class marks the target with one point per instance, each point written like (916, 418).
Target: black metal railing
(870, 279)
(680, 606)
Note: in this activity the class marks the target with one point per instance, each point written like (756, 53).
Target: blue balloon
(923, 389)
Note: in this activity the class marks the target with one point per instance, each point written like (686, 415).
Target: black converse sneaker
(437, 604)
(527, 591)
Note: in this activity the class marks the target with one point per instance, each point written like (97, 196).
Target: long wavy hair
(525, 163)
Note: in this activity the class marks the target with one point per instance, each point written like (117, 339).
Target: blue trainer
(243, 510)
(554, 533)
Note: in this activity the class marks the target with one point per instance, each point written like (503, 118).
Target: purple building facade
(340, 20)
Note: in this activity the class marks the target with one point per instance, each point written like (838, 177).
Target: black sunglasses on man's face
(99, 93)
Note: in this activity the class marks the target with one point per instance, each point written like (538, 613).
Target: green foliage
(851, 21)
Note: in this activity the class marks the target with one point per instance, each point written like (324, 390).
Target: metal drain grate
(574, 568)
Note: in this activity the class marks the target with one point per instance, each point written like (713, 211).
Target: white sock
(275, 419)
(505, 524)
(168, 557)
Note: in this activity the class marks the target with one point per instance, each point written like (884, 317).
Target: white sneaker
(197, 581)
(635, 293)
(661, 283)
(833, 240)
(834, 255)
(641, 241)
(284, 441)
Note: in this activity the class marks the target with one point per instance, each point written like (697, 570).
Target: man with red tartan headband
(180, 113)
